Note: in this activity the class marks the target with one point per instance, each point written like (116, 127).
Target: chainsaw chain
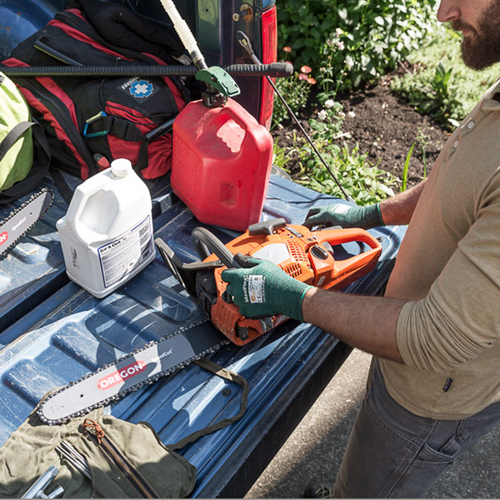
(131, 389)
(22, 207)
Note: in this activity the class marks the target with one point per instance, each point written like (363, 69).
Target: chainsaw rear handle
(340, 236)
(203, 239)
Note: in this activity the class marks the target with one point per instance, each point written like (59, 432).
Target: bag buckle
(88, 135)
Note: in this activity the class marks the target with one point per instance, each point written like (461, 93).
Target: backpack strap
(62, 185)
(232, 377)
(40, 166)
(11, 138)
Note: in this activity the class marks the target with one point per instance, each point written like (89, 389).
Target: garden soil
(384, 126)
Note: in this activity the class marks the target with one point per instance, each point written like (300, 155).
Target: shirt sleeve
(460, 316)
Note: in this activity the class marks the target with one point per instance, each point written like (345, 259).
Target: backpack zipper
(115, 456)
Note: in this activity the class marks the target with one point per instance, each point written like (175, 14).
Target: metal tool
(37, 490)
(74, 457)
(244, 41)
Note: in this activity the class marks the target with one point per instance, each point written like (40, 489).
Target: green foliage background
(341, 44)
(346, 42)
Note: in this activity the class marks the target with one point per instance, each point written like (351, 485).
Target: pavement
(314, 450)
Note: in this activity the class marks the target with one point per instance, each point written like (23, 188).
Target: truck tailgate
(54, 332)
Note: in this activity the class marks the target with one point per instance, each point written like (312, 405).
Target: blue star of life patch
(141, 89)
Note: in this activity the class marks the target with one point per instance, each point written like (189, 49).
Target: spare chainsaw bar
(20, 220)
(131, 372)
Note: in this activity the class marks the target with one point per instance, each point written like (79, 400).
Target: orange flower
(287, 49)
(311, 80)
(302, 77)
(305, 69)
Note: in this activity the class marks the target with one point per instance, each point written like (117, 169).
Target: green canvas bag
(151, 470)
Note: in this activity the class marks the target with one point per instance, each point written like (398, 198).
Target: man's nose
(448, 11)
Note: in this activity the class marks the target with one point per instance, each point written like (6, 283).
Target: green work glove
(261, 289)
(347, 216)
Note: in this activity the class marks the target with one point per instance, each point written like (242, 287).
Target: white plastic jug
(107, 233)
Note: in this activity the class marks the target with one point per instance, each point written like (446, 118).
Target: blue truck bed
(53, 332)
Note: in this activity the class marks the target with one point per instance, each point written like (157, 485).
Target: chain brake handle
(203, 239)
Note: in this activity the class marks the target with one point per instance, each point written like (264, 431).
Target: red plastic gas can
(221, 163)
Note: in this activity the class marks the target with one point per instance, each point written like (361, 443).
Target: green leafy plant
(361, 180)
(423, 141)
(405, 168)
(296, 93)
(350, 41)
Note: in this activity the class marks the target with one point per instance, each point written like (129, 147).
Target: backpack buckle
(88, 135)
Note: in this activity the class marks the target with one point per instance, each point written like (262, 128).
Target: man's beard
(481, 48)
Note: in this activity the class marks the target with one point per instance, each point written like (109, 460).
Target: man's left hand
(261, 289)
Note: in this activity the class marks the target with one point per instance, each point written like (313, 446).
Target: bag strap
(62, 185)
(11, 138)
(40, 166)
(232, 377)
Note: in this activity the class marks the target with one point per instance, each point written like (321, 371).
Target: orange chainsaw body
(300, 253)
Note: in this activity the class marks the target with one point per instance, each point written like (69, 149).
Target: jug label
(125, 253)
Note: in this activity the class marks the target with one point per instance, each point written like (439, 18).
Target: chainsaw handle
(339, 236)
(203, 238)
(357, 262)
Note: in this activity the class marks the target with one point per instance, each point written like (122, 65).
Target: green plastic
(220, 79)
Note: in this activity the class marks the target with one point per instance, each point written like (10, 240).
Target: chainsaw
(315, 257)
(306, 255)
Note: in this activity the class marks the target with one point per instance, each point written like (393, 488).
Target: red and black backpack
(89, 121)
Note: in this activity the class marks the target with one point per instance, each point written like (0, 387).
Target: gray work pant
(393, 453)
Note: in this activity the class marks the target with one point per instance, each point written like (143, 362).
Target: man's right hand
(347, 216)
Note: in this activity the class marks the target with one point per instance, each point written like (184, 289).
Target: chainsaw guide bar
(131, 372)
(22, 219)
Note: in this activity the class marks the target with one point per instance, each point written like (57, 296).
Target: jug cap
(121, 167)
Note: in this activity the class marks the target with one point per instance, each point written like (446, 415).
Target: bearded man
(434, 384)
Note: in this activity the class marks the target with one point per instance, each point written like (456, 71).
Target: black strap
(38, 170)
(231, 376)
(62, 185)
(11, 138)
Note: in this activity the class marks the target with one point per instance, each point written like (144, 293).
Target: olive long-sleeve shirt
(448, 268)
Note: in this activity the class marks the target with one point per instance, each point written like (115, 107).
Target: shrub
(347, 42)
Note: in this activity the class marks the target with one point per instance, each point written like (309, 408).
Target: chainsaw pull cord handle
(244, 41)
